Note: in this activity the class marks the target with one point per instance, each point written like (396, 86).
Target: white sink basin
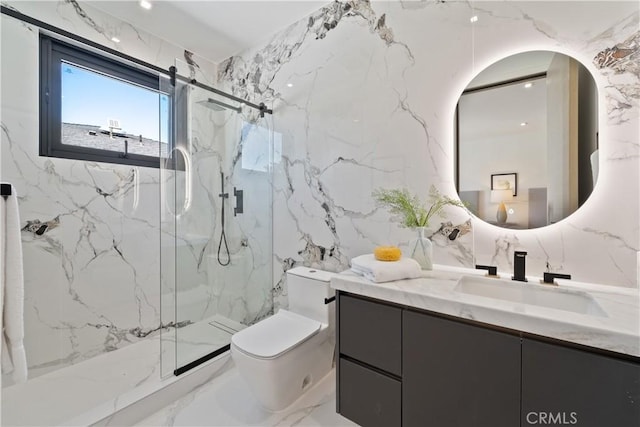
(531, 294)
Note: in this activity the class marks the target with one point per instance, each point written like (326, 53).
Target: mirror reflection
(527, 140)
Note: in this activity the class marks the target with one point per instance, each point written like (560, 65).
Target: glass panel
(168, 208)
(120, 111)
(222, 262)
(210, 135)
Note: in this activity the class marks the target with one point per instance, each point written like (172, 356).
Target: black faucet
(491, 270)
(549, 277)
(519, 266)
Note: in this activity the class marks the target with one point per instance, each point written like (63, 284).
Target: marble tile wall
(364, 95)
(92, 278)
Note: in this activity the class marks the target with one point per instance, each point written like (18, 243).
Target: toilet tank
(307, 289)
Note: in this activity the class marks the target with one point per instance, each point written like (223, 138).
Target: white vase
(422, 249)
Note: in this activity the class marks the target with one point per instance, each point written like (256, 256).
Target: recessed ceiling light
(528, 85)
(289, 84)
(524, 124)
(115, 39)
(474, 18)
(145, 4)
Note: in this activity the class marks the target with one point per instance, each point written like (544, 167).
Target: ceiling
(215, 29)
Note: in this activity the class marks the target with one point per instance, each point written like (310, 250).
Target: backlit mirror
(527, 140)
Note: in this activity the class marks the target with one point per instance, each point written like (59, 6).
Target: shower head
(216, 105)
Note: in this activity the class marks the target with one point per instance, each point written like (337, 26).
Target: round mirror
(527, 140)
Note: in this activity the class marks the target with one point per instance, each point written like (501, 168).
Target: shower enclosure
(100, 301)
(215, 220)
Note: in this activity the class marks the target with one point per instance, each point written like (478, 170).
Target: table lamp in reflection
(500, 197)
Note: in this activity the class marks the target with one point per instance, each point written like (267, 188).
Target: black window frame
(52, 53)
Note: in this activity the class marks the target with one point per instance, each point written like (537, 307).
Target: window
(98, 109)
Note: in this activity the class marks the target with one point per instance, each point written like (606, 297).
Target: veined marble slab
(364, 95)
(618, 331)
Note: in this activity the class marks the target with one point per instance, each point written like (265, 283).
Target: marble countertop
(617, 330)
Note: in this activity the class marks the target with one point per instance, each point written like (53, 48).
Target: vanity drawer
(367, 397)
(371, 332)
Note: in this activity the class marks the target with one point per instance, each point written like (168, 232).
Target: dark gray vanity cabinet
(456, 374)
(400, 366)
(562, 385)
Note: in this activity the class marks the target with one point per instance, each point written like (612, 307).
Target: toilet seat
(275, 335)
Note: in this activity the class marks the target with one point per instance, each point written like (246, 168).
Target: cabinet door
(563, 385)
(371, 332)
(367, 397)
(456, 374)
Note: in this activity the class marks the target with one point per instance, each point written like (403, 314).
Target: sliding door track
(200, 361)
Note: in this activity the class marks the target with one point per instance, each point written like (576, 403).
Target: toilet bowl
(284, 355)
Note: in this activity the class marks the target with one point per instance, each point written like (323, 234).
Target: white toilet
(283, 355)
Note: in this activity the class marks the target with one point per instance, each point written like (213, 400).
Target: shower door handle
(187, 178)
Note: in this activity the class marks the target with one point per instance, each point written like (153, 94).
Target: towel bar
(329, 300)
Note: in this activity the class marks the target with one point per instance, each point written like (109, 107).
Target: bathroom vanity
(456, 349)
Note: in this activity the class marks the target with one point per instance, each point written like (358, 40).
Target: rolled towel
(384, 271)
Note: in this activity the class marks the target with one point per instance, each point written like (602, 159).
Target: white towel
(12, 290)
(385, 271)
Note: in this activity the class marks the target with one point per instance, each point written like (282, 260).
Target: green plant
(409, 208)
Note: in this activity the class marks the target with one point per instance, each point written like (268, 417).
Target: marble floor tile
(227, 401)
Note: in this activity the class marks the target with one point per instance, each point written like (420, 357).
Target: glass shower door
(216, 225)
